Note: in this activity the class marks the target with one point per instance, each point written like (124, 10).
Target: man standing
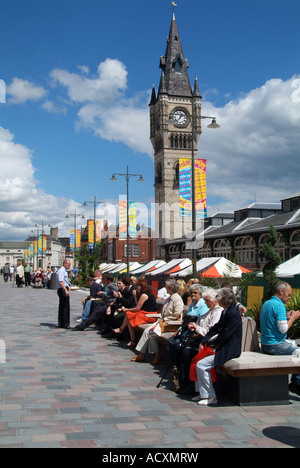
(275, 323)
(63, 285)
(27, 271)
(20, 274)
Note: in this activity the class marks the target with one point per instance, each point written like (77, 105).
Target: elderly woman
(201, 327)
(172, 309)
(227, 343)
(197, 307)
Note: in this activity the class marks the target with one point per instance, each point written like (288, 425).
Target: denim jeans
(282, 349)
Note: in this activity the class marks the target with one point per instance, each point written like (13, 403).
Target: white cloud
(23, 90)
(22, 203)
(103, 88)
(50, 106)
(255, 154)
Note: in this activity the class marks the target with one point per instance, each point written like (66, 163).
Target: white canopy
(288, 269)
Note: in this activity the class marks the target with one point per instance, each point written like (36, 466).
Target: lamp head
(113, 177)
(213, 124)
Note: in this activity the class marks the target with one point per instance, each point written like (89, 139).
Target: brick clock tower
(171, 136)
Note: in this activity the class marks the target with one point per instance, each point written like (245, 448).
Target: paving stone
(79, 390)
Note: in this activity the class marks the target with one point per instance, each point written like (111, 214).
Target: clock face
(180, 117)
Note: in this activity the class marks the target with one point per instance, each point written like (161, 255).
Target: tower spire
(175, 66)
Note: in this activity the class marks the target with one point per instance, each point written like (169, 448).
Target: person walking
(63, 292)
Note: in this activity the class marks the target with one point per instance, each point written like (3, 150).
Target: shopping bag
(206, 351)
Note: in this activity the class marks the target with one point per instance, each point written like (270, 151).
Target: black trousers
(97, 314)
(63, 309)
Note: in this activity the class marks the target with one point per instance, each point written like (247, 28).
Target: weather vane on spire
(174, 5)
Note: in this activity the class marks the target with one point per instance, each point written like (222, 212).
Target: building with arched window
(242, 234)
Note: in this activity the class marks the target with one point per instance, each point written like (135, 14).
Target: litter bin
(53, 281)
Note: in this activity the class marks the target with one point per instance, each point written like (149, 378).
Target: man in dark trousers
(98, 309)
(63, 291)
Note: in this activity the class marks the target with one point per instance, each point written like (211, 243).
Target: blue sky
(78, 78)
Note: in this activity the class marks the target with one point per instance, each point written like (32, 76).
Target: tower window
(178, 63)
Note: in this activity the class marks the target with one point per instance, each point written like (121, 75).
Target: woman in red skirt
(145, 304)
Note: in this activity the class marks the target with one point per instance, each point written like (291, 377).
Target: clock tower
(171, 111)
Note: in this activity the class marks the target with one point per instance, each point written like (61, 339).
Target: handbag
(206, 351)
(170, 326)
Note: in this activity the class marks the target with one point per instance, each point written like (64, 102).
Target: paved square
(76, 389)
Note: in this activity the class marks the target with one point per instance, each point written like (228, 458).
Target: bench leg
(254, 391)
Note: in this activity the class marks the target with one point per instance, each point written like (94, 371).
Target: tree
(273, 261)
(88, 261)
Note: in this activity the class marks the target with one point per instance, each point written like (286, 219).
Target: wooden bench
(256, 378)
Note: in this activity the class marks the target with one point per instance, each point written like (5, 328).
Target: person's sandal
(131, 344)
(138, 359)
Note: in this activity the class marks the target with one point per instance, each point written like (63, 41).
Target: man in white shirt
(63, 292)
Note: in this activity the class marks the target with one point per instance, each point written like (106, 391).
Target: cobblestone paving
(66, 389)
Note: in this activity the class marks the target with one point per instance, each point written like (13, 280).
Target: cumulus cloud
(105, 87)
(22, 203)
(23, 90)
(255, 153)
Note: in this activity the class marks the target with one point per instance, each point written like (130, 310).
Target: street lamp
(74, 215)
(127, 177)
(173, 118)
(37, 227)
(95, 203)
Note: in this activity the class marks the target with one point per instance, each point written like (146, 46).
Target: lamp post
(127, 177)
(74, 215)
(174, 118)
(95, 202)
(37, 227)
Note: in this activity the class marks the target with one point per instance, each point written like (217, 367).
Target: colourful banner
(90, 224)
(40, 245)
(185, 188)
(122, 216)
(35, 247)
(98, 231)
(44, 243)
(78, 238)
(71, 239)
(132, 219)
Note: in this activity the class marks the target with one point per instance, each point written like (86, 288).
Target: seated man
(275, 323)
(99, 308)
(87, 301)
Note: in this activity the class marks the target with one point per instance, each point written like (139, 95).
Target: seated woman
(200, 327)
(172, 309)
(197, 307)
(227, 344)
(146, 304)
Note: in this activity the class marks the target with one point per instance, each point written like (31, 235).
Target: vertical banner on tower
(90, 224)
(122, 216)
(72, 239)
(185, 193)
